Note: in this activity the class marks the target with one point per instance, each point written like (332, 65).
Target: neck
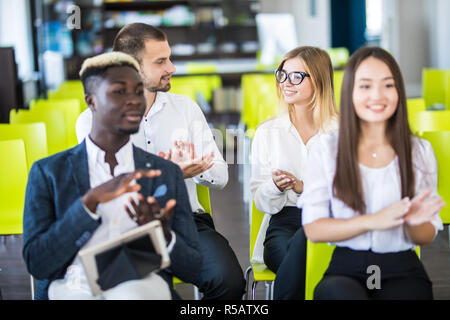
(302, 114)
(107, 141)
(373, 134)
(150, 97)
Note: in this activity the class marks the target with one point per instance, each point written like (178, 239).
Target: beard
(129, 131)
(152, 87)
(160, 87)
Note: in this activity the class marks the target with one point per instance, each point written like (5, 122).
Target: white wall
(439, 29)
(406, 35)
(312, 31)
(15, 31)
(416, 33)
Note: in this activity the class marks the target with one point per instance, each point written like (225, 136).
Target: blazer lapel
(142, 161)
(78, 165)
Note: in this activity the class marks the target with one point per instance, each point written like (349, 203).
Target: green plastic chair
(201, 67)
(318, 257)
(33, 135)
(440, 140)
(70, 89)
(434, 86)
(191, 85)
(204, 198)
(259, 270)
(447, 91)
(338, 76)
(415, 105)
(259, 99)
(54, 125)
(71, 110)
(430, 121)
(338, 56)
(13, 181)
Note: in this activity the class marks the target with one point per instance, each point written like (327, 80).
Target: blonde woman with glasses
(304, 81)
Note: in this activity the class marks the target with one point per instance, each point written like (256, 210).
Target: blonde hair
(108, 59)
(320, 69)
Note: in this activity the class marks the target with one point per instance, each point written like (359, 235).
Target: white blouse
(276, 145)
(381, 188)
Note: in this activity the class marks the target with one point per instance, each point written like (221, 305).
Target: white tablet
(153, 229)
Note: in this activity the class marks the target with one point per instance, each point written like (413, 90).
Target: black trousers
(285, 253)
(221, 276)
(351, 276)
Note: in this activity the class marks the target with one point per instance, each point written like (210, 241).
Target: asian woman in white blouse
(373, 189)
(304, 82)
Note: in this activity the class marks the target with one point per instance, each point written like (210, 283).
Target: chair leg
(254, 290)
(269, 290)
(32, 287)
(197, 294)
(247, 281)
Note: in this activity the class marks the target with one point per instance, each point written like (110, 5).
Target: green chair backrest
(255, 224)
(447, 91)
(33, 135)
(259, 99)
(204, 198)
(70, 89)
(201, 67)
(440, 140)
(54, 125)
(318, 257)
(338, 56)
(430, 121)
(71, 110)
(338, 76)
(191, 85)
(415, 105)
(13, 181)
(434, 85)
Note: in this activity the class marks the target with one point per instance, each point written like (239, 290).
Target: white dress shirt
(276, 145)
(115, 219)
(381, 188)
(174, 117)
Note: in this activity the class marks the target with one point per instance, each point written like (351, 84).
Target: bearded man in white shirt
(175, 128)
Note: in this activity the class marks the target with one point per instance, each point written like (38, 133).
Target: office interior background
(225, 52)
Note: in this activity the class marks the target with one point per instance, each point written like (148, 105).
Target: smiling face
(296, 94)
(118, 102)
(375, 97)
(156, 67)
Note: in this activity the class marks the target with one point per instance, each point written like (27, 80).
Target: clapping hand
(423, 208)
(145, 211)
(286, 181)
(116, 187)
(184, 155)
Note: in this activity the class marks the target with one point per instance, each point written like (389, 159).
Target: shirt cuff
(172, 242)
(205, 177)
(273, 189)
(89, 212)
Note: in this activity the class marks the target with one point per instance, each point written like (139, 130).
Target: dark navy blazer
(56, 225)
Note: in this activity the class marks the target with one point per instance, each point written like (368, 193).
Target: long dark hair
(347, 185)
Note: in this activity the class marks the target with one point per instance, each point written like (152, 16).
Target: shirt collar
(160, 100)
(96, 155)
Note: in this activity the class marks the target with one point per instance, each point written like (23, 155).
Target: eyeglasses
(295, 78)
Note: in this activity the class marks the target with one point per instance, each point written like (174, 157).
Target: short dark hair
(131, 38)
